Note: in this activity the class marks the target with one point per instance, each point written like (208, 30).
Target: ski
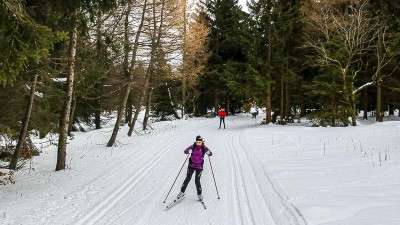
(204, 205)
(175, 201)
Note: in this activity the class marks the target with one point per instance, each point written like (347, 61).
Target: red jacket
(221, 113)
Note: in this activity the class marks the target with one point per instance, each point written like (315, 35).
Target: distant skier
(222, 114)
(196, 160)
(254, 112)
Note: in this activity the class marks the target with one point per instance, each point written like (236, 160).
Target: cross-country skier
(196, 160)
(222, 114)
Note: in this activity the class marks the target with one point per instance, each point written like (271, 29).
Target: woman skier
(196, 160)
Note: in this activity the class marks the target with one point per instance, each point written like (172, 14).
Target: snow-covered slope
(283, 175)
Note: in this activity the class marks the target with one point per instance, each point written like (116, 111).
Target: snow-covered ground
(283, 175)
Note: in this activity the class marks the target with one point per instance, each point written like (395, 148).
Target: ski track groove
(93, 215)
(255, 204)
(137, 203)
(287, 213)
(174, 169)
(242, 161)
(149, 211)
(241, 183)
(84, 188)
(234, 183)
(263, 184)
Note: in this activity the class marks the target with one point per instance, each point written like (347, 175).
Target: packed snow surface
(264, 175)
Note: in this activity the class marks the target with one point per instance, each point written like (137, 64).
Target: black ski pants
(189, 174)
(221, 119)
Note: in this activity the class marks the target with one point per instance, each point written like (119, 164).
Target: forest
(68, 63)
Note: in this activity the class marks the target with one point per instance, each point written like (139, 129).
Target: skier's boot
(200, 197)
(180, 195)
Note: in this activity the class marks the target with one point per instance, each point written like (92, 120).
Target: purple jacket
(197, 158)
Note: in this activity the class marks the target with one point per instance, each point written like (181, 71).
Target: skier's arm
(188, 149)
(208, 152)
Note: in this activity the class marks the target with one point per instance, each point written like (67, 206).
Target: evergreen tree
(277, 35)
(387, 80)
(227, 59)
(22, 39)
(77, 14)
(164, 101)
(287, 38)
(325, 92)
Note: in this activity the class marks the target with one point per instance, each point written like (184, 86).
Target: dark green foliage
(286, 33)
(12, 108)
(33, 41)
(390, 12)
(227, 45)
(91, 66)
(327, 100)
(22, 40)
(164, 105)
(27, 38)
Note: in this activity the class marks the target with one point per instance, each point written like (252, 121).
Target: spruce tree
(387, 91)
(227, 54)
(277, 35)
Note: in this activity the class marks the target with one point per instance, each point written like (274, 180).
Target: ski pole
(213, 176)
(176, 178)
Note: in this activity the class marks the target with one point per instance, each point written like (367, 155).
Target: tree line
(65, 63)
(327, 60)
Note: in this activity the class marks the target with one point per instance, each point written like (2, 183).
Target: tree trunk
(365, 108)
(268, 89)
(128, 86)
(99, 84)
(171, 101)
(287, 97)
(282, 101)
(184, 87)
(353, 114)
(183, 97)
(129, 109)
(336, 109)
(25, 124)
(287, 102)
(268, 117)
(139, 104)
(121, 108)
(97, 115)
(378, 112)
(65, 117)
(155, 42)
(353, 111)
(147, 113)
(72, 114)
(125, 65)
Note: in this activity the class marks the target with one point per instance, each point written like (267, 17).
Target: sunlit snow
(265, 175)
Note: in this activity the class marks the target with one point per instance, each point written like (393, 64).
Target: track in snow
(249, 194)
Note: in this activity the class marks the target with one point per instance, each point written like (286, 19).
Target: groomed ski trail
(133, 191)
